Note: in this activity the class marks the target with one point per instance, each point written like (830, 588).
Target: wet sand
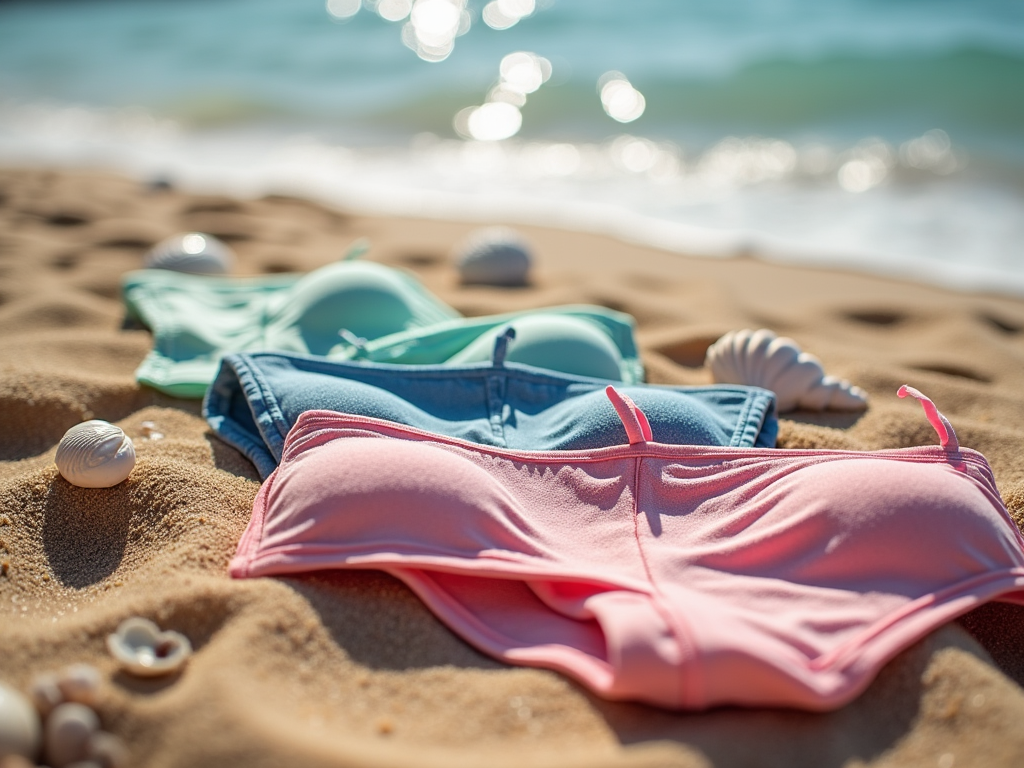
(350, 669)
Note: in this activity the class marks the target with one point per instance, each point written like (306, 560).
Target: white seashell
(494, 256)
(20, 730)
(95, 454)
(142, 649)
(193, 252)
(762, 359)
(68, 730)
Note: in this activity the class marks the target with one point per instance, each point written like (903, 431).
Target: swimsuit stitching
(967, 455)
(739, 432)
(270, 403)
(660, 604)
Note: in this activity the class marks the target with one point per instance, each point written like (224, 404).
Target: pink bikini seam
(662, 606)
(834, 659)
(664, 451)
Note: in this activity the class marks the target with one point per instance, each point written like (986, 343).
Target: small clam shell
(762, 359)
(95, 454)
(494, 256)
(142, 649)
(20, 730)
(193, 252)
(68, 731)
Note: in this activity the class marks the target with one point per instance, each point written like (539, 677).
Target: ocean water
(880, 135)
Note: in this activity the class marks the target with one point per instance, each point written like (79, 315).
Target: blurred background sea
(879, 135)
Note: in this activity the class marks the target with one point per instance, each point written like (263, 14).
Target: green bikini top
(354, 310)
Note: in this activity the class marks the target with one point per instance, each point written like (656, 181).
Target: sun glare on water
(430, 31)
(430, 28)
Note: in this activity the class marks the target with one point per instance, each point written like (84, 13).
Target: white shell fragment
(142, 649)
(494, 256)
(95, 454)
(20, 731)
(150, 431)
(68, 731)
(762, 359)
(193, 252)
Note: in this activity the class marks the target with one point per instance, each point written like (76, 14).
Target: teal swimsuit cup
(354, 310)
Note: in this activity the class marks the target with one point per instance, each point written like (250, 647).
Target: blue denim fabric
(256, 398)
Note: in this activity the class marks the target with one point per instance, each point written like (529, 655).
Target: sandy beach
(350, 668)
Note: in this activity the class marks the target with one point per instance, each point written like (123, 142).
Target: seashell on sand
(95, 454)
(494, 256)
(45, 692)
(193, 252)
(150, 431)
(763, 359)
(20, 730)
(68, 730)
(142, 649)
(80, 683)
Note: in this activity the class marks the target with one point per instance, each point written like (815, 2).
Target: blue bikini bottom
(256, 398)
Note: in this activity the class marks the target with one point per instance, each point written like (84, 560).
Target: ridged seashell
(142, 649)
(193, 252)
(494, 256)
(68, 730)
(20, 730)
(762, 359)
(95, 454)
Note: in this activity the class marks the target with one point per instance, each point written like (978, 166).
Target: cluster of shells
(57, 723)
(763, 359)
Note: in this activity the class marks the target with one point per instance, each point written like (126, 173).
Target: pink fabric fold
(686, 577)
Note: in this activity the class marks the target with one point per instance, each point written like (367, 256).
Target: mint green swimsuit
(354, 310)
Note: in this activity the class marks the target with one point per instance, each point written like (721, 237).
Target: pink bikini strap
(501, 346)
(947, 437)
(638, 428)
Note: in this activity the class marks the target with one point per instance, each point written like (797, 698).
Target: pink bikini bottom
(681, 576)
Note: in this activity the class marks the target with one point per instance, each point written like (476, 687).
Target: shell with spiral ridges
(763, 359)
(494, 256)
(193, 252)
(95, 454)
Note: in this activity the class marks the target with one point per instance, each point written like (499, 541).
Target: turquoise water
(881, 134)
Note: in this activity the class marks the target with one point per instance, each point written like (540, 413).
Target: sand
(350, 669)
